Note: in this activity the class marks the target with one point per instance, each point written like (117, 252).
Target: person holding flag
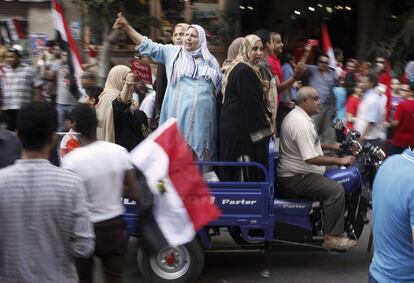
(322, 78)
(68, 44)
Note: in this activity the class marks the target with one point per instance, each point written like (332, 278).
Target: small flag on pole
(74, 59)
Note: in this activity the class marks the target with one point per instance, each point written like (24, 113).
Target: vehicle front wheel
(180, 264)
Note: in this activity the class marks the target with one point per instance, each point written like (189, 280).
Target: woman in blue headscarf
(194, 79)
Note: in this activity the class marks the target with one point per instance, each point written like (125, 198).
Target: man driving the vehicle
(302, 165)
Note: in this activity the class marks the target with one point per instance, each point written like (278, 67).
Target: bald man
(302, 165)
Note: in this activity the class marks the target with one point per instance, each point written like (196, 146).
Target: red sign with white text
(141, 71)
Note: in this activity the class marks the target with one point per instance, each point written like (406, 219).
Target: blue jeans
(63, 110)
(371, 279)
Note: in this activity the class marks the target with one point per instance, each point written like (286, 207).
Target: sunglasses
(324, 62)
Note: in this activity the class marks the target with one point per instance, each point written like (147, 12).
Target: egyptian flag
(182, 203)
(327, 46)
(14, 30)
(74, 59)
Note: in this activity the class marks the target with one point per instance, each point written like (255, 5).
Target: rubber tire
(196, 253)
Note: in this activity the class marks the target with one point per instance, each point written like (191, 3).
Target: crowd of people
(226, 113)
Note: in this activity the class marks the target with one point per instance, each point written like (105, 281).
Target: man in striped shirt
(44, 221)
(20, 86)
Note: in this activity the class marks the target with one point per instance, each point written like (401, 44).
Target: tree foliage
(102, 14)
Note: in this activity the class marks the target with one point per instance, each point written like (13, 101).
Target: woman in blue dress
(194, 79)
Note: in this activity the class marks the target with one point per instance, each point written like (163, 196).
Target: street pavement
(292, 265)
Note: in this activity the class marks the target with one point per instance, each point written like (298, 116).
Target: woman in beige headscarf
(232, 52)
(104, 110)
(245, 129)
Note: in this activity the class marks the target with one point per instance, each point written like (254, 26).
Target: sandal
(338, 243)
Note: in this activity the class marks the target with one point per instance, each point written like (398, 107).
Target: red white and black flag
(327, 46)
(74, 59)
(182, 203)
(14, 30)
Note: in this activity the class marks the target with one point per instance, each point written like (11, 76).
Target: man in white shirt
(371, 112)
(301, 167)
(104, 168)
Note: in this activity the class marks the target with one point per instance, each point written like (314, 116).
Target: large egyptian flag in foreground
(74, 58)
(182, 201)
(327, 46)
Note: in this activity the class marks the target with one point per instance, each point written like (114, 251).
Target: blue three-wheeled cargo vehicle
(254, 215)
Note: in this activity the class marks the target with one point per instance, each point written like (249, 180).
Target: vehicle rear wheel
(180, 264)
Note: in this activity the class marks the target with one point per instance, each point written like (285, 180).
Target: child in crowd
(92, 95)
(351, 107)
(148, 107)
(69, 141)
(339, 92)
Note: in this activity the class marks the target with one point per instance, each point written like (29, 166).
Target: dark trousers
(393, 149)
(317, 187)
(257, 152)
(110, 248)
(10, 117)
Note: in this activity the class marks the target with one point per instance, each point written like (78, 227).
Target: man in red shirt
(273, 59)
(403, 123)
(383, 69)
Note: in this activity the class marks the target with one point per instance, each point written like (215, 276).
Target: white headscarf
(185, 65)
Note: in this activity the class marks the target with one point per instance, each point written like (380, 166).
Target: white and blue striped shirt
(44, 223)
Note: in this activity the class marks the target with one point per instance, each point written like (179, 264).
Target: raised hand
(130, 79)
(299, 70)
(120, 22)
(308, 48)
(297, 84)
